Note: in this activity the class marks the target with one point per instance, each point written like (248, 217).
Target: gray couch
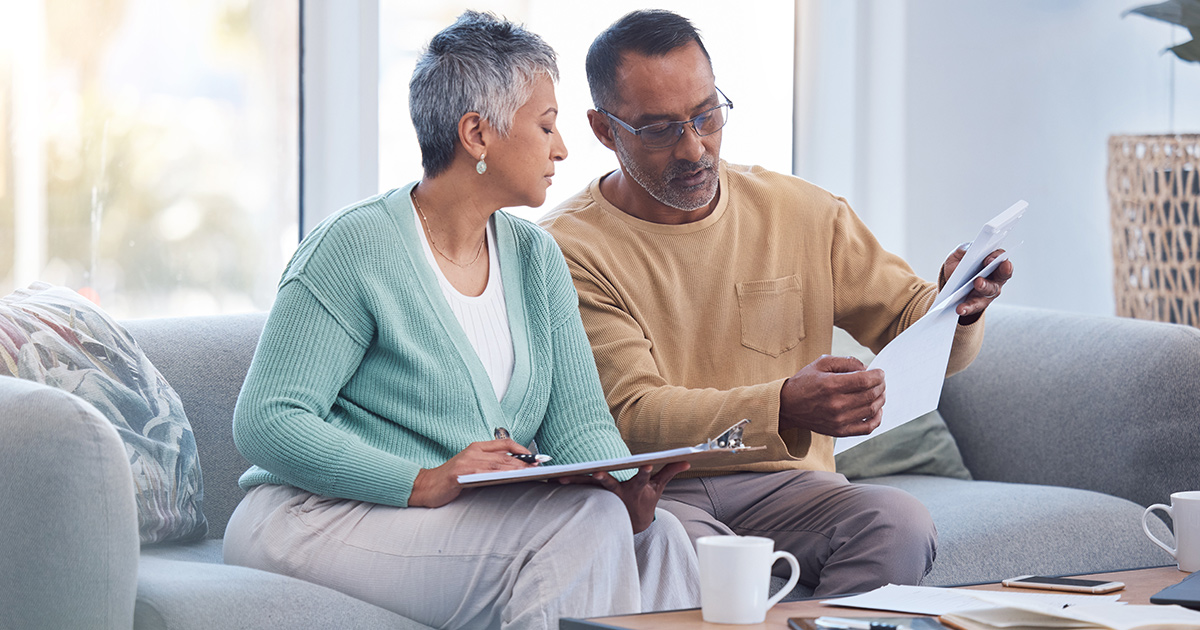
(1068, 423)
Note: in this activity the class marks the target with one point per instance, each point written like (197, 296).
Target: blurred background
(164, 157)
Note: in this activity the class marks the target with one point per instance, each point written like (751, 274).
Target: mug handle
(1146, 527)
(791, 583)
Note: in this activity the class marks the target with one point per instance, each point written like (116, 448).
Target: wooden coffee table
(1140, 584)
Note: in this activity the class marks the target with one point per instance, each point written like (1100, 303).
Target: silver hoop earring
(481, 166)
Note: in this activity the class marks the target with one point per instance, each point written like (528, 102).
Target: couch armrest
(69, 548)
(1101, 403)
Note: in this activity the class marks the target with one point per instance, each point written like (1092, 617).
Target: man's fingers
(992, 256)
(668, 473)
(862, 426)
(608, 481)
(1003, 272)
(864, 419)
(987, 289)
(586, 480)
(840, 365)
(845, 383)
(953, 260)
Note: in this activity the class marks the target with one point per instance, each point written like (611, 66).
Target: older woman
(407, 329)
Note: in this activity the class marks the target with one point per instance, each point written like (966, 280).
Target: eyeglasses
(665, 134)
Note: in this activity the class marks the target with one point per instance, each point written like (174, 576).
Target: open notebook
(728, 442)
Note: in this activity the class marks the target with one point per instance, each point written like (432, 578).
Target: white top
(484, 318)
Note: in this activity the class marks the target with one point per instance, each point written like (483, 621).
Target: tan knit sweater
(696, 326)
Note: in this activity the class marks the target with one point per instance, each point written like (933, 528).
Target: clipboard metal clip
(730, 439)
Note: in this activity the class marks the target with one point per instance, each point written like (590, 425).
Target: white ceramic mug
(1185, 514)
(735, 576)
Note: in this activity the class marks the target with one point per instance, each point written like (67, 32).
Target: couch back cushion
(205, 358)
(1103, 403)
(54, 336)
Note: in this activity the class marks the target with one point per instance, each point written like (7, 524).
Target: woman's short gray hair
(482, 64)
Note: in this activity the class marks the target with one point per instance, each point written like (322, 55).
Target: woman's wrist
(420, 489)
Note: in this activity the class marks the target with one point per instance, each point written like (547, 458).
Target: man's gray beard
(661, 190)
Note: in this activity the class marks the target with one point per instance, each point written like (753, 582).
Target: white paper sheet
(932, 600)
(914, 363)
(1089, 614)
(990, 237)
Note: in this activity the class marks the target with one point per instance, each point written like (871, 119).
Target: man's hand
(834, 396)
(985, 289)
(640, 494)
(435, 487)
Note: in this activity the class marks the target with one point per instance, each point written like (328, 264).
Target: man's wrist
(785, 419)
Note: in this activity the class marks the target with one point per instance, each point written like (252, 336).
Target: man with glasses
(709, 292)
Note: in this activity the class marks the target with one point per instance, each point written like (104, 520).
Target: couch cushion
(179, 595)
(210, 550)
(1105, 403)
(54, 336)
(923, 446)
(989, 531)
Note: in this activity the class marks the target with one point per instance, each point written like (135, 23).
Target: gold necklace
(429, 232)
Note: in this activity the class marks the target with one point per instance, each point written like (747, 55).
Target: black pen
(529, 458)
(532, 458)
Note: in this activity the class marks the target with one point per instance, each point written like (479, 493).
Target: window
(149, 151)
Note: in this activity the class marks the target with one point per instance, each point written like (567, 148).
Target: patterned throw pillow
(54, 336)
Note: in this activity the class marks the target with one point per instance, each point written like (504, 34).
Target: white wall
(997, 101)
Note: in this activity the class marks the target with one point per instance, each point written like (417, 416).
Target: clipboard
(728, 442)
(990, 237)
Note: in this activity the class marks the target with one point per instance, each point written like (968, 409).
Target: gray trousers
(848, 537)
(514, 556)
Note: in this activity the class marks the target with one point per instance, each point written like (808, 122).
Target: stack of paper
(994, 610)
(932, 600)
(914, 363)
(1088, 616)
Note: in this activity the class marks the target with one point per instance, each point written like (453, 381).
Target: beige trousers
(513, 556)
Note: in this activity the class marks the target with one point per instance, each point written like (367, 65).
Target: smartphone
(1074, 585)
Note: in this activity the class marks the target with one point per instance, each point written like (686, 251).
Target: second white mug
(735, 576)
(1185, 516)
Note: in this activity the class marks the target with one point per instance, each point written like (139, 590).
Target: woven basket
(1154, 197)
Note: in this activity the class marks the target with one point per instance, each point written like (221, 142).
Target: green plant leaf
(1181, 12)
(1188, 52)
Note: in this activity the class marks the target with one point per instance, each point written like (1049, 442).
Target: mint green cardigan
(363, 376)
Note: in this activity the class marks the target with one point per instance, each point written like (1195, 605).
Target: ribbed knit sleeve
(303, 359)
(577, 426)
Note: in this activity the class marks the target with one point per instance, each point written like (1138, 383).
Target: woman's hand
(435, 487)
(640, 494)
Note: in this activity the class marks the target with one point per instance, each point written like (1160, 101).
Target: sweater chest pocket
(772, 314)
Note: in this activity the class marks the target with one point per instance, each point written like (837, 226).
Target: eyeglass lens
(666, 134)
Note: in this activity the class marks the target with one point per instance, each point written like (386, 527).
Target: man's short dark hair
(650, 32)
